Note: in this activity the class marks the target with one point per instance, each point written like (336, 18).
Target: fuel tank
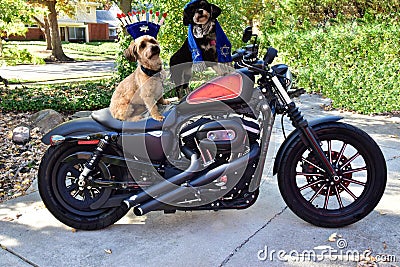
(233, 88)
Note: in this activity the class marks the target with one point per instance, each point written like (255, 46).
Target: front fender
(76, 127)
(295, 134)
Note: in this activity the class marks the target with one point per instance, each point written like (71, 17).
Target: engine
(218, 140)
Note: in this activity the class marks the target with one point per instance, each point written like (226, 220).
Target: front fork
(308, 136)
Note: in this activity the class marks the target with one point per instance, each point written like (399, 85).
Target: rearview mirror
(248, 32)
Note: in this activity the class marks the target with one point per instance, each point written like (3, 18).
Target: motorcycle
(209, 154)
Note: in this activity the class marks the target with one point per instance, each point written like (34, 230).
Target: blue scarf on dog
(223, 46)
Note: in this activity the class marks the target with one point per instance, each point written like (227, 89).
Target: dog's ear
(130, 53)
(188, 16)
(215, 11)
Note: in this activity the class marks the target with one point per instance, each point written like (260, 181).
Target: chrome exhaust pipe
(207, 178)
(166, 185)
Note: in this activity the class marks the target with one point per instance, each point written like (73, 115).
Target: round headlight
(288, 79)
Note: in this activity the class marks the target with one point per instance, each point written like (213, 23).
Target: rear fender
(81, 126)
(295, 134)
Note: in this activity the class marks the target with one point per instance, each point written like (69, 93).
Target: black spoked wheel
(77, 198)
(66, 199)
(334, 201)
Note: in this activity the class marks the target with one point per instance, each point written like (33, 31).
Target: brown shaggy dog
(143, 89)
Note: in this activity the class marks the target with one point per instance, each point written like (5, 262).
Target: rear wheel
(333, 201)
(69, 202)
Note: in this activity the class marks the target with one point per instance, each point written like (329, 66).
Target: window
(76, 33)
(88, 10)
(112, 32)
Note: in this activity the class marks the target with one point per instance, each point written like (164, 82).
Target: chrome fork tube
(300, 123)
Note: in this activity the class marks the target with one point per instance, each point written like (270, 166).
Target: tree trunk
(57, 51)
(47, 33)
(46, 28)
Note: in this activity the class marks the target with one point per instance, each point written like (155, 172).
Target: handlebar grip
(237, 57)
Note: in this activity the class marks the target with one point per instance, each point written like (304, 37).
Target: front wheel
(333, 201)
(70, 203)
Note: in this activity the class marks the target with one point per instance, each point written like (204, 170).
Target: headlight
(288, 80)
(284, 74)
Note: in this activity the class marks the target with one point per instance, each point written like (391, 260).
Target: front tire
(57, 181)
(324, 201)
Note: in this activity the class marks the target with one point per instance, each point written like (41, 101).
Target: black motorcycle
(209, 154)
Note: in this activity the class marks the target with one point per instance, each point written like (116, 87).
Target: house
(83, 26)
(107, 16)
(88, 24)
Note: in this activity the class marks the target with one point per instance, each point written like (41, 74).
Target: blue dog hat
(191, 2)
(141, 28)
(142, 23)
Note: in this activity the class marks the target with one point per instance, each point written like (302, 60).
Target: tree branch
(41, 24)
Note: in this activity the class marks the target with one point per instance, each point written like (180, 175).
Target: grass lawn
(80, 52)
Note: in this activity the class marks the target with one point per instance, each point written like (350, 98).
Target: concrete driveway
(31, 236)
(57, 72)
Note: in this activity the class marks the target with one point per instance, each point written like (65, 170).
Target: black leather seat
(105, 118)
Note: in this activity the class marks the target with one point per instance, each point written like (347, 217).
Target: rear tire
(315, 198)
(59, 191)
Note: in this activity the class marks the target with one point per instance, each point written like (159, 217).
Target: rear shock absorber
(93, 161)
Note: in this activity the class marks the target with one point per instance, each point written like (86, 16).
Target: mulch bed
(19, 163)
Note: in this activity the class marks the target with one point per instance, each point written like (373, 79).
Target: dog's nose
(155, 49)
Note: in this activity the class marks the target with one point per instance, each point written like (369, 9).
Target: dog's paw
(166, 102)
(158, 117)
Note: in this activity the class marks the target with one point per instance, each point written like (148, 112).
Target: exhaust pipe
(210, 176)
(167, 185)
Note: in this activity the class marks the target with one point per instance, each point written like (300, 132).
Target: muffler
(207, 178)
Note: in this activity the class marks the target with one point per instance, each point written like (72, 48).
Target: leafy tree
(57, 51)
(14, 15)
(52, 7)
(50, 23)
(45, 25)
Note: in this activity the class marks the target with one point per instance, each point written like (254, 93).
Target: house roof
(105, 16)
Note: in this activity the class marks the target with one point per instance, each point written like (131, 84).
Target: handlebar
(248, 58)
(238, 55)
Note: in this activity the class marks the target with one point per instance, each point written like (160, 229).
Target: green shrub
(124, 67)
(356, 65)
(13, 56)
(67, 97)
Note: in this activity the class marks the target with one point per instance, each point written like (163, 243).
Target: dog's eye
(142, 45)
(153, 42)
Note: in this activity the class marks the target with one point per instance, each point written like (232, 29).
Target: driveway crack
(19, 256)
(250, 237)
(393, 158)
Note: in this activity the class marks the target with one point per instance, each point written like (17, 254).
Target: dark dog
(202, 16)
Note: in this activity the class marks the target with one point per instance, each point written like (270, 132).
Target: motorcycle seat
(104, 117)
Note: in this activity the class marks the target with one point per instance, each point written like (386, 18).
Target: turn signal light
(56, 140)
